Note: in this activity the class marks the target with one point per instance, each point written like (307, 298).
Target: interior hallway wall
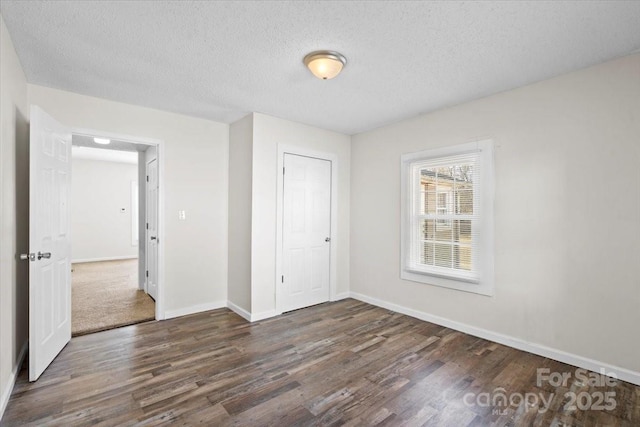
(100, 229)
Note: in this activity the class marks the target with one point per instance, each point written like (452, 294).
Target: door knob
(30, 257)
(45, 255)
(153, 237)
(327, 239)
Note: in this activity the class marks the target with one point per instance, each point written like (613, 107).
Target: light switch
(182, 215)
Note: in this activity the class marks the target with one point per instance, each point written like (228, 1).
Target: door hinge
(283, 170)
(146, 273)
(282, 279)
(147, 226)
(147, 178)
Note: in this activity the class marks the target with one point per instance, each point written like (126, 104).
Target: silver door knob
(328, 239)
(29, 257)
(45, 255)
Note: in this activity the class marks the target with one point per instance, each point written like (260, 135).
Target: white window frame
(483, 256)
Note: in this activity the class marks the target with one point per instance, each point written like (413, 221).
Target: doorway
(109, 261)
(49, 256)
(306, 227)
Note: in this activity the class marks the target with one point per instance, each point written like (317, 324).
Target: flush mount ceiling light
(103, 141)
(325, 64)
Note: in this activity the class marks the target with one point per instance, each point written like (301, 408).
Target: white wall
(14, 213)
(196, 180)
(567, 212)
(240, 173)
(268, 132)
(100, 230)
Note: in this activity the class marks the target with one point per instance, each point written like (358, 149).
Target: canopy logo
(592, 400)
(500, 401)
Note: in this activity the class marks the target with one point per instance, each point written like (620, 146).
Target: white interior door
(49, 241)
(152, 228)
(306, 231)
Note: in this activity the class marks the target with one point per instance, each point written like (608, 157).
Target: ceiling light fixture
(325, 64)
(103, 141)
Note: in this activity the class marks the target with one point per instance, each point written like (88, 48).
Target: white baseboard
(541, 350)
(263, 315)
(199, 308)
(338, 297)
(251, 317)
(270, 313)
(110, 258)
(6, 393)
(239, 310)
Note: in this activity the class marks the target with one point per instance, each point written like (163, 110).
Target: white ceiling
(87, 141)
(222, 60)
(89, 153)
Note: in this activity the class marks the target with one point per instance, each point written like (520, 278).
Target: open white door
(306, 231)
(152, 228)
(49, 241)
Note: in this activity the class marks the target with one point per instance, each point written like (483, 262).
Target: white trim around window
(449, 245)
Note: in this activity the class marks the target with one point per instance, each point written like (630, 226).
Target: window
(447, 217)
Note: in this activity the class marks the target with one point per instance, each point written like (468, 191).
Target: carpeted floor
(105, 295)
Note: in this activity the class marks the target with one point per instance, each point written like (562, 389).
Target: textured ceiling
(222, 60)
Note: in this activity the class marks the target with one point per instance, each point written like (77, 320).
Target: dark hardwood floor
(343, 363)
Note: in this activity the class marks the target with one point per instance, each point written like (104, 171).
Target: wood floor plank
(343, 363)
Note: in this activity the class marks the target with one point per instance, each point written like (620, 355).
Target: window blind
(445, 215)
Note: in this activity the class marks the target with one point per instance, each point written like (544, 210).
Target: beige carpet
(105, 295)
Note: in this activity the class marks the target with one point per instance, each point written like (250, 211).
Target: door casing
(160, 300)
(152, 228)
(333, 257)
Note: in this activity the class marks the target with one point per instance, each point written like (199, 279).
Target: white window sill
(476, 287)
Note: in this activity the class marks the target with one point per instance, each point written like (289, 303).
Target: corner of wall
(14, 208)
(7, 389)
(239, 214)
